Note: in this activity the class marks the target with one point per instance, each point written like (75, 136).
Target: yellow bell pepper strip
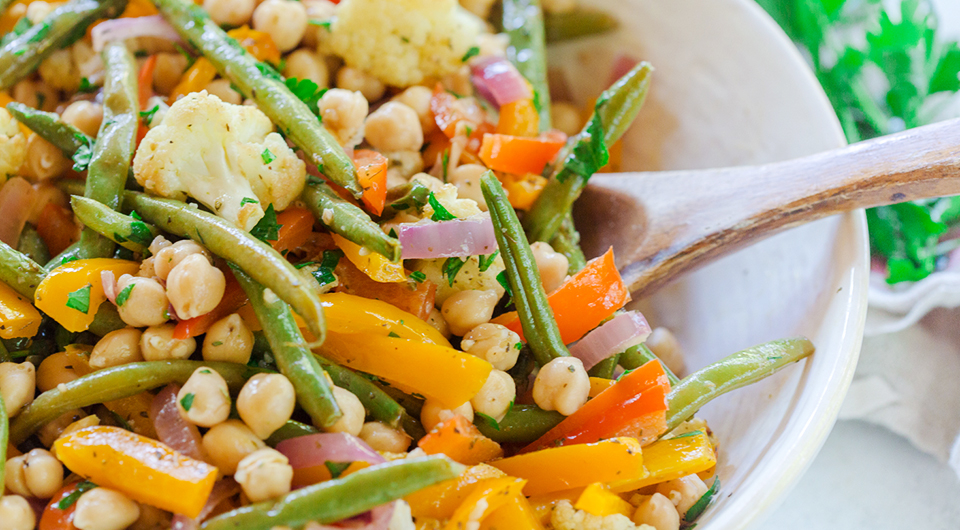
(441, 500)
(347, 313)
(202, 72)
(18, 317)
(260, 44)
(195, 79)
(134, 411)
(79, 355)
(145, 470)
(450, 376)
(542, 505)
(672, 458)
(516, 514)
(599, 384)
(597, 499)
(460, 440)
(373, 264)
(572, 466)
(72, 293)
(519, 118)
(523, 190)
(489, 495)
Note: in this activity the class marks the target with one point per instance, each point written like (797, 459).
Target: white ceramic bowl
(731, 89)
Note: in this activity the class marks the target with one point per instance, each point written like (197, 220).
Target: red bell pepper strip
(296, 225)
(372, 175)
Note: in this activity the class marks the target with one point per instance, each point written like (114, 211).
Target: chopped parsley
(687, 434)
(80, 299)
(393, 335)
(267, 228)
(418, 276)
(336, 468)
(324, 273)
(248, 200)
(267, 157)
(147, 115)
(450, 269)
(217, 343)
(140, 233)
(698, 507)
(322, 23)
(124, 295)
(42, 30)
(472, 52)
(86, 87)
(445, 162)
(306, 91)
(81, 158)
(71, 499)
(486, 261)
(439, 212)
(502, 280)
(492, 423)
(187, 401)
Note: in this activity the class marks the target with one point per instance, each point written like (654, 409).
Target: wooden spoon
(662, 224)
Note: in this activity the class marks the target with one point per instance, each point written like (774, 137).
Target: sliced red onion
(446, 239)
(623, 331)
(17, 198)
(109, 281)
(498, 81)
(315, 449)
(223, 489)
(375, 519)
(171, 428)
(128, 28)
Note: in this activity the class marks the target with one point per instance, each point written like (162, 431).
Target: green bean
(71, 186)
(106, 320)
(586, 152)
(293, 356)
(19, 272)
(567, 242)
(341, 498)
(61, 28)
(577, 23)
(523, 24)
(730, 373)
(639, 355)
(522, 424)
(606, 367)
(223, 238)
(115, 383)
(116, 142)
(4, 435)
(536, 316)
(265, 87)
(32, 245)
(124, 230)
(347, 220)
(69, 254)
(291, 429)
(413, 194)
(4, 353)
(51, 128)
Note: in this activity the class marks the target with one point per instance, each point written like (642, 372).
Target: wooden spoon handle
(688, 218)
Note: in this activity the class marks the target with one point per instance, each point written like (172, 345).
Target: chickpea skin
(468, 309)
(658, 512)
(382, 437)
(496, 395)
(343, 113)
(683, 492)
(43, 161)
(353, 412)
(418, 98)
(266, 402)
(118, 347)
(84, 115)
(394, 127)
(141, 301)
(229, 340)
(17, 385)
(16, 513)
(105, 509)
(222, 89)
(562, 385)
(157, 344)
(168, 71)
(228, 443)
(354, 79)
(467, 180)
(305, 64)
(264, 474)
(54, 370)
(230, 12)
(494, 343)
(36, 474)
(168, 255)
(195, 287)
(552, 265)
(284, 20)
(433, 412)
(204, 399)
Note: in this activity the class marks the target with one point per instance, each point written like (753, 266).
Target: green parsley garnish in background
(884, 69)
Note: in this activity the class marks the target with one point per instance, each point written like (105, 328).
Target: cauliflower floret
(447, 195)
(13, 146)
(565, 517)
(401, 42)
(225, 156)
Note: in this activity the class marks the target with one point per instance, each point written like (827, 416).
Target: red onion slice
(375, 519)
(109, 281)
(223, 489)
(315, 449)
(171, 428)
(128, 28)
(446, 239)
(498, 81)
(17, 198)
(623, 331)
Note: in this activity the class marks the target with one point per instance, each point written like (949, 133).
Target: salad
(233, 296)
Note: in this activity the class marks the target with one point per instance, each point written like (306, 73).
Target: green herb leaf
(71, 499)
(267, 228)
(502, 280)
(687, 434)
(80, 299)
(267, 157)
(418, 276)
(187, 401)
(147, 115)
(42, 29)
(472, 52)
(86, 86)
(439, 212)
(492, 423)
(702, 503)
(393, 335)
(324, 273)
(336, 468)
(217, 343)
(140, 233)
(306, 91)
(322, 23)
(486, 261)
(445, 162)
(122, 423)
(451, 267)
(81, 158)
(248, 200)
(124, 294)
(190, 58)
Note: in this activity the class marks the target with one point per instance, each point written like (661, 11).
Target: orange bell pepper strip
(575, 466)
(145, 470)
(543, 504)
(72, 293)
(18, 317)
(517, 154)
(634, 406)
(516, 514)
(374, 265)
(519, 118)
(597, 499)
(417, 300)
(258, 43)
(450, 376)
(460, 440)
(145, 91)
(296, 225)
(583, 301)
(440, 500)
(195, 79)
(599, 384)
(233, 299)
(134, 411)
(53, 518)
(489, 495)
(79, 355)
(56, 228)
(346, 314)
(523, 190)
(372, 175)
(671, 459)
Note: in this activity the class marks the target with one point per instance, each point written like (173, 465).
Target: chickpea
(228, 443)
(658, 512)
(436, 320)
(118, 347)
(36, 474)
(35, 94)
(105, 509)
(204, 399)
(459, 81)
(84, 115)
(17, 384)
(264, 474)
(285, 21)
(38, 11)
(16, 513)
(354, 79)
(43, 159)
(141, 301)
(394, 127)
(152, 519)
(343, 113)
(468, 309)
(305, 64)
(566, 117)
(496, 395)
(59, 71)
(418, 98)
(317, 11)
(54, 370)
(222, 89)
(562, 385)
(494, 343)
(266, 402)
(195, 287)
(433, 412)
(157, 344)
(353, 412)
(683, 492)
(167, 72)
(552, 265)
(88, 62)
(230, 12)
(467, 180)
(382, 437)
(665, 346)
(168, 255)
(493, 45)
(229, 340)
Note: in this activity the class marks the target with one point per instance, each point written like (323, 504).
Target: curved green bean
(50, 127)
(412, 195)
(223, 238)
(536, 316)
(341, 498)
(32, 245)
(126, 231)
(62, 27)
(606, 367)
(69, 254)
(115, 383)
(522, 424)
(567, 242)
(272, 96)
(19, 272)
(348, 220)
(291, 429)
(293, 356)
(639, 355)
(730, 373)
(577, 23)
(523, 24)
